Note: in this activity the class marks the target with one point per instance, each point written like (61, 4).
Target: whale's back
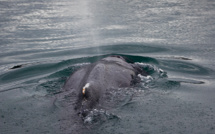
(110, 72)
(90, 82)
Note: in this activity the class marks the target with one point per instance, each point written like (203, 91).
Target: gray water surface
(43, 42)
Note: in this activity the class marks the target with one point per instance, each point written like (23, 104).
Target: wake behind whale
(89, 83)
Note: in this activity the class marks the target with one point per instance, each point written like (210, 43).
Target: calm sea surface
(43, 41)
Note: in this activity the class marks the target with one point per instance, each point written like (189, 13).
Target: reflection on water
(43, 42)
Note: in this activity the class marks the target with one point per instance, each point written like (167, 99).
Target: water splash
(97, 116)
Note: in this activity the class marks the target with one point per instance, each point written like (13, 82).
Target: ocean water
(42, 42)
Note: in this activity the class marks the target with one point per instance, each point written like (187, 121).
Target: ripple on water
(184, 67)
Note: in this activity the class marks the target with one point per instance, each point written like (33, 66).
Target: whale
(91, 81)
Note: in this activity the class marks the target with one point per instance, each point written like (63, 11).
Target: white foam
(86, 86)
(145, 79)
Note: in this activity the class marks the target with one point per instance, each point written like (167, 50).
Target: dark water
(43, 42)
